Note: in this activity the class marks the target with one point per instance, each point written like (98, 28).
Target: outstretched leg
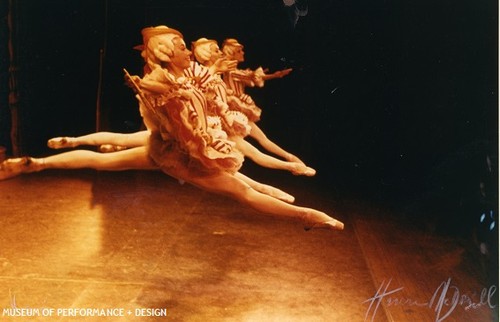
(271, 162)
(135, 158)
(266, 189)
(127, 140)
(230, 185)
(270, 146)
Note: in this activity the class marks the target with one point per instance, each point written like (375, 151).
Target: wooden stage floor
(139, 243)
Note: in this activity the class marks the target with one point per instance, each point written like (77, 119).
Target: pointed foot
(13, 167)
(314, 219)
(61, 143)
(329, 225)
(303, 170)
(108, 148)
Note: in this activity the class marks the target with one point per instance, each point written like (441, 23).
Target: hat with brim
(232, 42)
(149, 32)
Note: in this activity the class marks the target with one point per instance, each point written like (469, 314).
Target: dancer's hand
(278, 74)
(132, 81)
(223, 65)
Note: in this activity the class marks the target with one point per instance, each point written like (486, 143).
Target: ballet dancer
(207, 78)
(236, 81)
(179, 144)
(207, 53)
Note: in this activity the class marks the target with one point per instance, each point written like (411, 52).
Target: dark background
(391, 101)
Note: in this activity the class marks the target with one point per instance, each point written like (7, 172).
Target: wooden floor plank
(419, 273)
(139, 240)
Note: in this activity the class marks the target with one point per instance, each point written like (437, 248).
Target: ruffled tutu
(169, 156)
(245, 105)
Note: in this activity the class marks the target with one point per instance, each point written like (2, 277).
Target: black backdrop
(388, 100)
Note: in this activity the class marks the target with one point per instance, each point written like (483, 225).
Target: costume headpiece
(231, 42)
(202, 41)
(149, 32)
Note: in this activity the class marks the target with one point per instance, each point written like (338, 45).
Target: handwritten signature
(444, 300)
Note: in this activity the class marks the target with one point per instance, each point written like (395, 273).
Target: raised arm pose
(179, 143)
(207, 53)
(205, 77)
(181, 147)
(119, 141)
(236, 81)
(134, 157)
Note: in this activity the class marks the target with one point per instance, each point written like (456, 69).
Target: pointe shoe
(108, 148)
(13, 167)
(330, 225)
(310, 172)
(303, 170)
(320, 220)
(60, 143)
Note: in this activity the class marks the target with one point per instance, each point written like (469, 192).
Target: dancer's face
(239, 54)
(181, 57)
(215, 53)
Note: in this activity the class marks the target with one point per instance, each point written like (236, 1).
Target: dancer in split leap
(179, 143)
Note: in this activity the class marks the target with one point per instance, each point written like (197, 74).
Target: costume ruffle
(184, 134)
(245, 105)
